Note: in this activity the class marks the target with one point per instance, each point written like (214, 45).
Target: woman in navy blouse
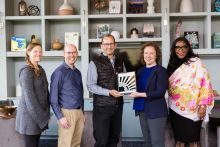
(149, 100)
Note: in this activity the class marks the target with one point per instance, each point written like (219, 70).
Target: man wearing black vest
(108, 102)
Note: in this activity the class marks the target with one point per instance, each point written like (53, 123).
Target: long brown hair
(27, 58)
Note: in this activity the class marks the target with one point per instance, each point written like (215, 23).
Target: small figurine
(22, 8)
(134, 33)
(150, 7)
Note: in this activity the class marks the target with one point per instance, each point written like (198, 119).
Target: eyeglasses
(71, 53)
(108, 44)
(181, 48)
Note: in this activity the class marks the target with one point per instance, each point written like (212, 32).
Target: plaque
(126, 82)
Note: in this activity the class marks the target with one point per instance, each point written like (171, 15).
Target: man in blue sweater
(66, 98)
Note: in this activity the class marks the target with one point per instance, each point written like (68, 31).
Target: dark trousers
(32, 140)
(107, 123)
(153, 130)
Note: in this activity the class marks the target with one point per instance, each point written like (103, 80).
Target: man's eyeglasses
(181, 48)
(71, 53)
(108, 44)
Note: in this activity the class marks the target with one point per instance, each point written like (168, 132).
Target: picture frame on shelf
(18, 43)
(193, 38)
(102, 30)
(72, 38)
(114, 7)
(126, 82)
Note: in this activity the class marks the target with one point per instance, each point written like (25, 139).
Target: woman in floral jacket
(190, 93)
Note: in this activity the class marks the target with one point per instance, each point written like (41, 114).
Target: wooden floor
(210, 141)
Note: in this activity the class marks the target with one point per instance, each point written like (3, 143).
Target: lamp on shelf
(148, 30)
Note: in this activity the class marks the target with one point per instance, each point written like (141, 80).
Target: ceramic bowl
(8, 110)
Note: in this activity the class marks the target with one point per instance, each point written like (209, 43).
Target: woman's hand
(202, 111)
(138, 94)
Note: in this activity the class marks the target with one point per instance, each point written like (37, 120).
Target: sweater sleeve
(161, 86)
(34, 107)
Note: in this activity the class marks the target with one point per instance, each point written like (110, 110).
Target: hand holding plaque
(126, 82)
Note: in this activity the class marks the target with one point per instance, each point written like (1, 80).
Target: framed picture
(18, 43)
(127, 82)
(193, 38)
(102, 30)
(72, 38)
(114, 6)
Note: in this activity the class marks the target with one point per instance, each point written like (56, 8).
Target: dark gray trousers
(153, 130)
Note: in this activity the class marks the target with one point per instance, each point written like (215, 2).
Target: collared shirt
(92, 77)
(66, 89)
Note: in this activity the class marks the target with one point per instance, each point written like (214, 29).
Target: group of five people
(190, 96)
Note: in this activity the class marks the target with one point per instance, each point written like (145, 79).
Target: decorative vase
(186, 6)
(150, 7)
(66, 8)
(217, 5)
(56, 45)
(22, 8)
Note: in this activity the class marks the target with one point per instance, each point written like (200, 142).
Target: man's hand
(64, 123)
(115, 93)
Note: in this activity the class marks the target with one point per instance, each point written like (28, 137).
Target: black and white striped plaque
(126, 82)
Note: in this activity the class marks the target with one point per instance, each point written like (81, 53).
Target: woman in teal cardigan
(149, 100)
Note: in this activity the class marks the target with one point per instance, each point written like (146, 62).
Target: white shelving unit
(49, 26)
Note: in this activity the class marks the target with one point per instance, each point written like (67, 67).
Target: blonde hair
(27, 58)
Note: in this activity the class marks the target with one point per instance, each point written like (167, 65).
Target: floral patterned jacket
(189, 87)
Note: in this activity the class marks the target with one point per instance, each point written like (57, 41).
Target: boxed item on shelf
(18, 43)
(216, 39)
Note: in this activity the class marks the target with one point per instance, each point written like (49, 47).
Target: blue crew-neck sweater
(142, 78)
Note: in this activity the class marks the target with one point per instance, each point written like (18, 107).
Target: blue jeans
(153, 130)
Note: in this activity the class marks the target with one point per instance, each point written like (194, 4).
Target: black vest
(107, 78)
